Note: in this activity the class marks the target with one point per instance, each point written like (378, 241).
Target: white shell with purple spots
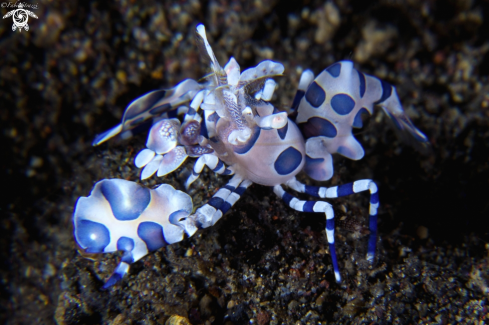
(228, 124)
(333, 104)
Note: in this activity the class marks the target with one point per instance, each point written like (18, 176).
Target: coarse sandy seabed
(73, 73)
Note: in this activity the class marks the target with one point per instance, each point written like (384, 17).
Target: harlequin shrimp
(229, 125)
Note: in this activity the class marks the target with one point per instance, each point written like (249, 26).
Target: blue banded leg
(210, 161)
(344, 190)
(133, 251)
(120, 271)
(192, 113)
(208, 214)
(319, 207)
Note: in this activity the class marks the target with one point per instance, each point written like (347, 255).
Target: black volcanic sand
(73, 73)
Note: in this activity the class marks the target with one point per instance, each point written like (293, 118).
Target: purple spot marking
(334, 70)
(361, 77)
(152, 234)
(244, 148)
(282, 132)
(386, 91)
(358, 120)
(125, 244)
(92, 236)
(342, 104)
(127, 199)
(143, 103)
(160, 109)
(318, 126)
(315, 95)
(288, 161)
(297, 99)
(315, 168)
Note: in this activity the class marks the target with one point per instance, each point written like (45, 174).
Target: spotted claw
(122, 215)
(163, 136)
(162, 155)
(150, 106)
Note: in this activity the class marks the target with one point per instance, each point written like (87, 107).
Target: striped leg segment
(221, 202)
(314, 206)
(344, 190)
(357, 187)
(192, 113)
(120, 271)
(133, 251)
(210, 161)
